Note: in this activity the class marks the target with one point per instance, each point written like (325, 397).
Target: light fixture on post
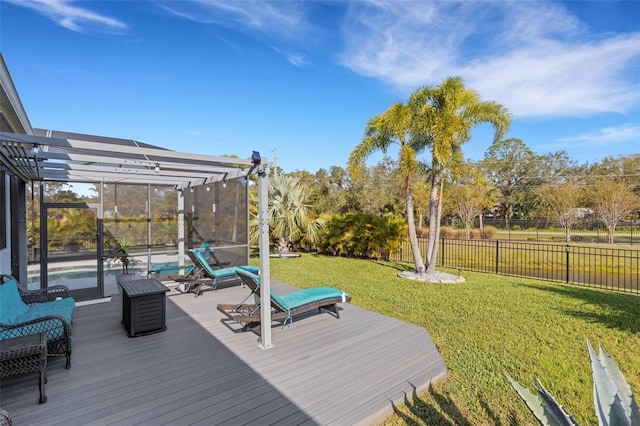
(157, 168)
(224, 180)
(35, 149)
(255, 158)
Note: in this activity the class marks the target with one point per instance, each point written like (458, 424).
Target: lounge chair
(191, 272)
(283, 308)
(208, 277)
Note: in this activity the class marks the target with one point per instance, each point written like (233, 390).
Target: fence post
(497, 254)
(442, 250)
(567, 250)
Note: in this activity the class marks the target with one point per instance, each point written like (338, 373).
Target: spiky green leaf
(548, 413)
(609, 398)
(624, 390)
(553, 411)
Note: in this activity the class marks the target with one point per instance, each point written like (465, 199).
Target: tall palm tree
(442, 119)
(394, 127)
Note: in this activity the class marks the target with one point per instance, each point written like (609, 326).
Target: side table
(25, 354)
(143, 306)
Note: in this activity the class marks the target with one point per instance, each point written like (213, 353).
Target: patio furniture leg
(43, 380)
(25, 354)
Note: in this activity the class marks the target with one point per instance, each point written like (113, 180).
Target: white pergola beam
(90, 146)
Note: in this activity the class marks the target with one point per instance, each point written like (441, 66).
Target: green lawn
(485, 327)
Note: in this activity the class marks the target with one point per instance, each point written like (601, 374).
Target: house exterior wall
(14, 119)
(5, 252)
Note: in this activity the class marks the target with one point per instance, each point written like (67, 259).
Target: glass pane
(72, 250)
(217, 214)
(125, 226)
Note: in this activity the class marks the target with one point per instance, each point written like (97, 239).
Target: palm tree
(442, 119)
(394, 127)
(290, 217)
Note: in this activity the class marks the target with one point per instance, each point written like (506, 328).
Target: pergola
(69, 157)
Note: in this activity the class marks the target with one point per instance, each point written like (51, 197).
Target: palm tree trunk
(434, 252)
(434, 228)
(413, 236)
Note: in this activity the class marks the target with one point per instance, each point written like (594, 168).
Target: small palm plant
(122, 252)
(291, 218)
(613, 399)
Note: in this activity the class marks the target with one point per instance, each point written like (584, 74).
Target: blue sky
(230, 77)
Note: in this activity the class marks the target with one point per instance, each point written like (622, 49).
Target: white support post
(181, 231)
(148, 228)
(265, 275)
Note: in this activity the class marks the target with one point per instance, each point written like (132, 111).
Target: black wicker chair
(56, 327)
(40, 295)
(5, 418)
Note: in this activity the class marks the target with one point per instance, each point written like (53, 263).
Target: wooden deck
(203, 370)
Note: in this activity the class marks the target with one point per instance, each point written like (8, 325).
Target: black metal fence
(602, 267)
(586, 230)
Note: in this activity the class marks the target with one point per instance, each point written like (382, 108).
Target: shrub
(450, 232)
(363, 235)
(474, 233)
(489, 232)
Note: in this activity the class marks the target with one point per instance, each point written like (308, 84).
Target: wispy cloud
(72, 17)
(279, 22)
(405, 44)
(557, 79)
(534, 57)
(605, 136)
(297, 59)
(278, 18)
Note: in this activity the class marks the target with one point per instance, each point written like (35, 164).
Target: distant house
(582, 213)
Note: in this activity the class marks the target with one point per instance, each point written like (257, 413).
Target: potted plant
(122, 254)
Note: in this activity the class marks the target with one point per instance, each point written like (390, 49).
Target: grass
(488, 326)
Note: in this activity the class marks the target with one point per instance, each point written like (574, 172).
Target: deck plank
(204, 370)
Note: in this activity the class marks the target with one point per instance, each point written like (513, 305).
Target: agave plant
(613, 399)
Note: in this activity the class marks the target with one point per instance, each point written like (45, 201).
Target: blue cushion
(280, 301)
(224, 272)
(168, 268)
(214, 273)
(250, 268)
(11, 304)
(296, 298)
(302, 297)
(62, 307)
(247, 270)
(14, 311)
